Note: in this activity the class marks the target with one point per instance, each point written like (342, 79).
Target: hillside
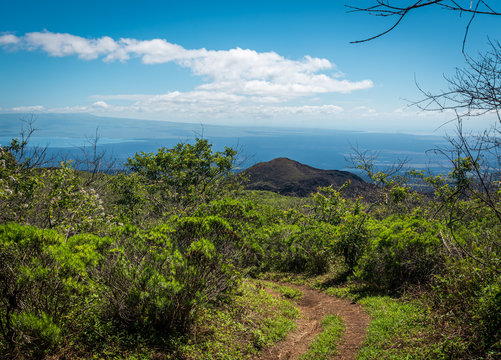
(289, 177)
(170, 261)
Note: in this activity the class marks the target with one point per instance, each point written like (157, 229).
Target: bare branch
(387, 8)
(473, 91)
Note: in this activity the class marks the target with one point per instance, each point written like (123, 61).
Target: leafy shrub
(155, 280)
(62, 200)
(245, 220)
(348, 224)
(212, 249)
(37, 333)
(404, 250)
(314, 248)
(238, 212)
(130, 198)
(298, 244)
(185, 175)
(275, 239)
(141, 290)
(351, 239)
(44, 287)
(466, 303)
(329, 206)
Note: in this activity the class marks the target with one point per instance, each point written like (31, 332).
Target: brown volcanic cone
(289, 177)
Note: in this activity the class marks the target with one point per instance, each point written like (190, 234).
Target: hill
(289, 177)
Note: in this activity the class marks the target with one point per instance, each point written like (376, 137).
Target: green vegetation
(238, 330)
(396, 330)
(287, 292)
(156, 262)
(324, 346)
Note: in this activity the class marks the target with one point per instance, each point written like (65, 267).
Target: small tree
(185, 175)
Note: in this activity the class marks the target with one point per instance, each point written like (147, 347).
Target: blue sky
(262, 63)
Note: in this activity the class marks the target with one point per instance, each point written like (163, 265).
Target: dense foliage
(96, 266)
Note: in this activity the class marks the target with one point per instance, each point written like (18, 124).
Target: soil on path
(314, 306)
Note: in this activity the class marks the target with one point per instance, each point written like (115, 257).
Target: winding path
(313, 307)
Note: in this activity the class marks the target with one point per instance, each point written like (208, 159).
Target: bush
(298, 244)
(213, 252)
(44, 287)
(156, 280)
(329, 206)
(186, 175)
(130, 198)
(49, 199)
(146, 284)
(352, 237)
(404, 250)
(348, 224)
(466, 303)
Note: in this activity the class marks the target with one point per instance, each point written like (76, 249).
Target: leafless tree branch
(388, 8)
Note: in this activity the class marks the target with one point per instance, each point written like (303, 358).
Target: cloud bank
(240, 79)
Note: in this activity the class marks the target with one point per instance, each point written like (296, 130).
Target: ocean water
(66, 135)
(330, 151)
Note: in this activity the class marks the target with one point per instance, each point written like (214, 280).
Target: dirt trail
(313, 307)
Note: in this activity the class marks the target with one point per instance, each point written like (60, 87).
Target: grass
(286, 291)
(253, 321)
(291, 278)
(274, 200)
(324, 346)
(396, 330)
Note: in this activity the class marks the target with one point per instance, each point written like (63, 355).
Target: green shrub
(130, 198)
(36, 334)
(156, 280)
(298, 245)
(140, 285)
(329, 206)
(245, 220)
(404, 250)
(53, 198)
(348, 225)
(213, 252)
(314, 248)
(466, 303)
(186, 175)
(351, 239)
(274, 239)
(45, 286)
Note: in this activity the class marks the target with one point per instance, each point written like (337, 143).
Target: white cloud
(236, 83)
(8, 39)
(101, 104)
(56, 44)
(202, 102)
(307, 109)
(191, 105)
(239, 71)
(31, 108)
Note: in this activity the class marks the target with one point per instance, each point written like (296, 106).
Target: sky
(258, 63)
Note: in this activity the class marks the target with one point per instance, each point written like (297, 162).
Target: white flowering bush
(17, 185)
(54, 198)
(66, 204)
